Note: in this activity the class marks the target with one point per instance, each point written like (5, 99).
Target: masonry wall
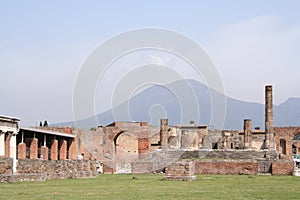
(282, 167)
(226, 167)
(6, 166)
(58, 169)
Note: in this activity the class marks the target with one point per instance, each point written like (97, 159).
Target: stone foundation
(40, 170)
(183, 171)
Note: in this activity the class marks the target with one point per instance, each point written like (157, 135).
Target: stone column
(2, 144)
(269, 121)
(247, 133)
(164, 133)
(54, 150)
(63, 150)
(13, 150)
(33, 152)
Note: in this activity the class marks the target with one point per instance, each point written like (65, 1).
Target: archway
(125, 146)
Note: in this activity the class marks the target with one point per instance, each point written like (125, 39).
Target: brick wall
(180, 171)
(283, 167)
(226, 167)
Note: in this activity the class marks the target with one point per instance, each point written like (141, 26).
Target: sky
(43, 45)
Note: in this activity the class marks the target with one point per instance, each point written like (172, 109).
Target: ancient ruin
(136, 147)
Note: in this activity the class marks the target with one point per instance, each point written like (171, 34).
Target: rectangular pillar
(54, 150)
(2, 144)
(21, 151)
(33, 152)
(44, 153)
(72, 150)
(63, 150)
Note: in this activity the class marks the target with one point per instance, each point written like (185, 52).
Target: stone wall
(6, 166)
(283, 167)
(58, 169)
(226, 167)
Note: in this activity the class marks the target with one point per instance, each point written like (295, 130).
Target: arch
(282, 146)
(125, 145)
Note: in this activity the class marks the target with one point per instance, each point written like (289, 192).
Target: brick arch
(127, 147)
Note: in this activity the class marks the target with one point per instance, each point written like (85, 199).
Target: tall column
(13, 150)
(247, 133)
(269, 121)
(164, 133)
(2, 144)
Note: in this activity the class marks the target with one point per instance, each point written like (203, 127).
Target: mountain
(189, 100)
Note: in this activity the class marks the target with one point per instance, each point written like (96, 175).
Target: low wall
(58, 169)
(283, 167)
(226, 167)
(147, 167)
(40, 170)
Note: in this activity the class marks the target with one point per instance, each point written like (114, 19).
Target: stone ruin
(136, 147)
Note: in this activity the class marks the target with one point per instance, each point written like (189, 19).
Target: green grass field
(153, 187)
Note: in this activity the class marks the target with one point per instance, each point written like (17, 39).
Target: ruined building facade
(135, 147)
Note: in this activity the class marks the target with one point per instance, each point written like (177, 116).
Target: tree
(45, 123)
(41, 124)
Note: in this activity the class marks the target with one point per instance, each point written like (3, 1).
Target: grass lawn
(153, 187)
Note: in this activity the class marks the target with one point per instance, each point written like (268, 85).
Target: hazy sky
(44, 43)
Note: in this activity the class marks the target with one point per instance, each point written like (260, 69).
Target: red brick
(33, 153)
(22, 151)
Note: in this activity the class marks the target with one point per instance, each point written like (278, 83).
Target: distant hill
(285, 114)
